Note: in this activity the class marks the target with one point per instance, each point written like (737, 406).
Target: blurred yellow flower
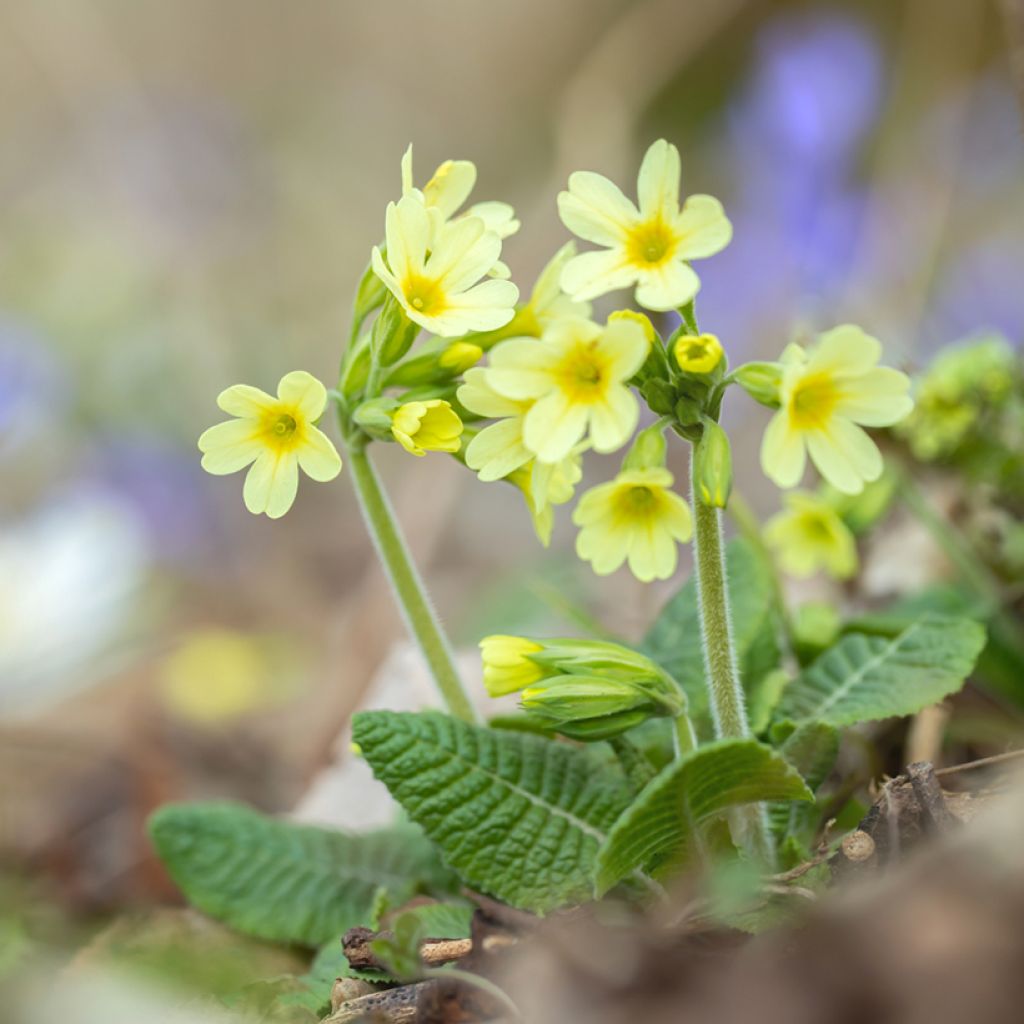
(276, 435)
(216, 675)
(450, 187)
(459, 356)
(428, 426)
(637, 517)
(507, 666)
(824, 394)
(697, 353)
(546, 484)
(651, 246)
(576, 377)
(434, 269)
(809, 535)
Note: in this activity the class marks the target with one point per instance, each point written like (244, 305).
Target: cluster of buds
(584, 689)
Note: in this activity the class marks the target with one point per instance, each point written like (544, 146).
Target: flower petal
(408, 233)
(243, 400)
(522, 368)
(450, 186)
(612, 423)
(666, 287)
(271, 484)
(605, 549)
(305, 392)
(625, 345)
(877, 398)
(553, 426)
(595, 209)
(845, 456)
(485, 307)
(318, 458)
(229, 447)
(783, 454)
(594, 273)
(845, 350)
(498, 450)
(658, 181)
(704, 226)
(652, 553)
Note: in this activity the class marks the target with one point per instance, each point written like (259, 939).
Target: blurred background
(188, 196)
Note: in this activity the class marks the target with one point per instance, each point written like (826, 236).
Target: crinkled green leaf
(862, 678)
(518, 816)
(674, 640)
(286, 882)
(666, 824)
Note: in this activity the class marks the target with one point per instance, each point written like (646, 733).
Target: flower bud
(507, 664)
(589, 707)
(637, 318)
(375, 416)
(430, 425)
(648, 450)
(761, 381)
(393, 332)
(370, 295)
(697, 353)
(435, 364)
(714, 466)
(356, 371)
(659, 395)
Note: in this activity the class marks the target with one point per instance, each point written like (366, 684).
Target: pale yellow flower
(649, 247)
(435, 271)
(277, 435)
(450, 187)
(507, 666)
(576, 377)
(809, 535)
(635, 517)
(431, 425)
(824, 394)
(697, 353)
(642, 319)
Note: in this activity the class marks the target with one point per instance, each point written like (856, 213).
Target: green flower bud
(370, 295)
(393, 332)
(648, 450)
(687, 411)
(438, 363)
(375, 416)
(356, 371)
(714, 466)
(761, 381)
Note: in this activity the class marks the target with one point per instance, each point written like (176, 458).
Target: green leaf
(811, 749)
(287, 882)
(862, 678)
(666, 824)
(518, 816)
(674, 640)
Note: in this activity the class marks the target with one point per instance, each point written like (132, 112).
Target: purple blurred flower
(32, 383)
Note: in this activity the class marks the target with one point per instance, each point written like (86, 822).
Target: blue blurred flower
(33, 384)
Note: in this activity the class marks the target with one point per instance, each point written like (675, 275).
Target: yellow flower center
(651, 243)
(583, 375)
(424, 294)
(813, 401)
(636, 502)
(280, 429)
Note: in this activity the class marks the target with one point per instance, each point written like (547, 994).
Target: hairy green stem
(721, 670)
(684, 739)
(406, 583)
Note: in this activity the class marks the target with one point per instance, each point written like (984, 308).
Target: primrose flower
(576, 377)
(546, 484)
(433, 271)
(507, 665)
(431, 425)
(823, 395)
(697, 353)
(277, 435)
(809, 535)
(637, 517)
(449, 188)
(651, 246)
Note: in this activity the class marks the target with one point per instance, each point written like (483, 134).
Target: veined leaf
(811, 749)
(518, 816)
(286, 882)
(862, 678)
(674, 640)
(666, 824)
